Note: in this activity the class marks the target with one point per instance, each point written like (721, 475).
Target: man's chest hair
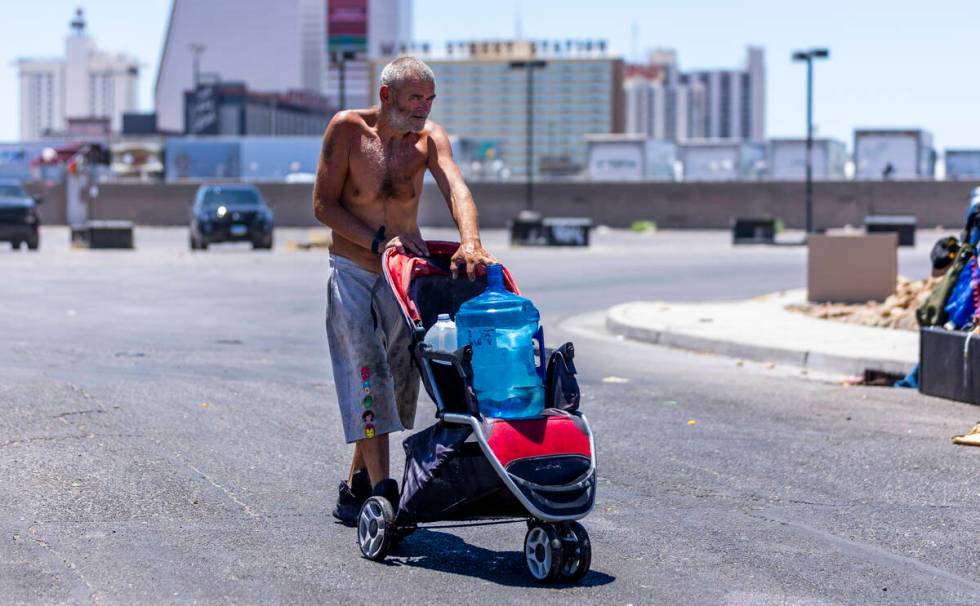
(399, 159)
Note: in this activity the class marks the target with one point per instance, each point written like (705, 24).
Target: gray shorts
(377, 383)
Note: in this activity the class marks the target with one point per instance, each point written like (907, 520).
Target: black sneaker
(362, 484)
(349, 500)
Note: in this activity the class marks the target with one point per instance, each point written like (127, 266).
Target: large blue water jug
(500, 326)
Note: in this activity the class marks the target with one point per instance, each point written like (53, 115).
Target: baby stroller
(467, 467)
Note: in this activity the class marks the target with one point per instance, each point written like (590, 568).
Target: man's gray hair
(404, 68)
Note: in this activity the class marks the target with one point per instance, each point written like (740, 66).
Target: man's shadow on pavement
(445, 552)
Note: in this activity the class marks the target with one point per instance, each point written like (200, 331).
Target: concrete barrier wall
(714, 205)
(671, 205)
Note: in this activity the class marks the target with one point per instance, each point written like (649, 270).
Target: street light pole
(529, 152)
(196, 50)
(809, 147)
(530, 66)
(808, 56)
(343, 84)
(340, 58)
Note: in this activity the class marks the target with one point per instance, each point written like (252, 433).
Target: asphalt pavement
(169, 434)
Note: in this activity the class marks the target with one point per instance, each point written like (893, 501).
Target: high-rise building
(663, 102)
(272, 46)
(482, 100)
(87, 84)
(359, 31)
(281, 46)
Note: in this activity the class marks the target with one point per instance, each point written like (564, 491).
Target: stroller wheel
(543, 552)
(376, 528)
(576, 551)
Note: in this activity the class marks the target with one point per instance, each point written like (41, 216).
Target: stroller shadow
(445, 552)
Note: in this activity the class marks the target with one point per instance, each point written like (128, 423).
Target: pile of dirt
(897, 311)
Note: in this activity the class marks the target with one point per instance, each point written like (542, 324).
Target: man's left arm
(460, 201)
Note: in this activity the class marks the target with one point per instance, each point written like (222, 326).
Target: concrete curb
(617, 323)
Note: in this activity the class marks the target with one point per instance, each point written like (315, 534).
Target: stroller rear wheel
(576, 551)
(376, 529)
(543, 552)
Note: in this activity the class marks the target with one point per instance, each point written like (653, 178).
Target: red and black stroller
(467, 467)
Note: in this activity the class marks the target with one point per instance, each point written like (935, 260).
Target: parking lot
(168, 433)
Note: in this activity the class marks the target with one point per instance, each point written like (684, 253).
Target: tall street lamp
(809, 56)
(340, 59)
(529, 66)
(196, 49)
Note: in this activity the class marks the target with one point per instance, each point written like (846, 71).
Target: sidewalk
(761, 329)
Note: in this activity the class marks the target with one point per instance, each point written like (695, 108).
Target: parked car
(18, 215)
(230, 213)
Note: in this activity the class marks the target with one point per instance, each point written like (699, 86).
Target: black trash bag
(447, 478)
(426, 452)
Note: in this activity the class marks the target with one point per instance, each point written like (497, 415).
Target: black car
(18, 216)
(230, 213)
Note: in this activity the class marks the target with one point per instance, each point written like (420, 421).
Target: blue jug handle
(542, 369)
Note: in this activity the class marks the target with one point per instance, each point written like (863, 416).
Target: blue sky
(898, 63)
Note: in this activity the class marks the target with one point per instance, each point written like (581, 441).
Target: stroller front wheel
(576, 552)
(376, 528)
(543, 552)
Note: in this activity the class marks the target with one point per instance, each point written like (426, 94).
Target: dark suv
(230, 213)
(18, 215)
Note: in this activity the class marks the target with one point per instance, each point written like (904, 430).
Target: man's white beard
(399, 121)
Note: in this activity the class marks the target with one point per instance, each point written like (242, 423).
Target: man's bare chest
(390, 169)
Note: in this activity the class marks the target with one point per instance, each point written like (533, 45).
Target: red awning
(63, 153)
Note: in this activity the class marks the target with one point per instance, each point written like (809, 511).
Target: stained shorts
(377, 383)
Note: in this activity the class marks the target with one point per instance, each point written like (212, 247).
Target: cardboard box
(851, 268)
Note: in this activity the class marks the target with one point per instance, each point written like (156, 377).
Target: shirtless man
(367, 190)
